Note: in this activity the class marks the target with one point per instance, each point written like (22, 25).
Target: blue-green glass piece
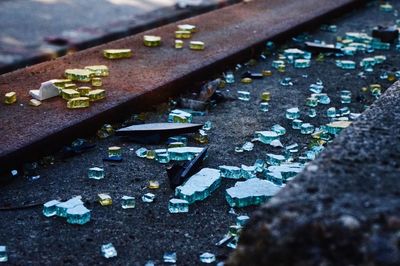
(248, 171)
(178, 206)
(169, 257)
(266, 137)
(49, 208)
(377, 44)
(274, 177)
(108, 251)
(344, 111)
(316, 88)
(331, 112)
(286, 82)
(264, 107)
(323, 98)
(244, 96)
(229, 77)
(275, 159)
(3, 254)
(259, 164)
(312, 101)
(128, 202)
(142, 152)
(307, 128)
(162, 157)
(292, 113)
(302, 63)
(207, 258)
(296, 123)
(148, 197)
(96, 173)
(63, 207)
(200, 185)
(232, 172)
(278, 129)
(328, 28)
(253, 191)
(207, 125)
(345, 64)
(277, 63)
(242, 220)
(78, 215)
(178, 139)
(183, 153)
(312, 112)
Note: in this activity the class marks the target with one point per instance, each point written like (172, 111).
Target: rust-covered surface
(150, 76)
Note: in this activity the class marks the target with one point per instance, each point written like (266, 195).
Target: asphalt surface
(148, 231)
(33, 31)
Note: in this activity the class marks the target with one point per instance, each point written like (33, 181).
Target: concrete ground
(26, 26)
(149, 230)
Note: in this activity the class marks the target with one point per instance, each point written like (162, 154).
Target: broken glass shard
(207, 125)
(179, 116)
(3, 254)
(78, 215)
(344, 111)
(229, 77)
(244, 96)
(278, 129)
(201, 137)
(50, 208)
(323, 98)
(296, 123)
(242, 220)
(345, 64)
(302, 63)
(248, 146)
(184, 153)
(328, 28)
(96, 173)
(47, 90)
(154, 184)
(207, 257)
(108, 250)
(248, 171)
(200, 185)
(63, 207)
(334, 128)
(117, 53)
(148, 197)
(275, 159)
(250, 192)
(312, 112)
(264, 107)
(142, 152)
(10, 97)
(277, 63)
(307, 128)
(162, 157)
(292, 113)
(316, 88)
(169, 257)
(266, 96)
(178, 206)
(115, 153)
(104, 199)
(276, 143)
(345, 96)
(331, 112)
(286, 82)
(128, 202)
(266, 137)
(259, 164)
(312, 102)
(232, 172)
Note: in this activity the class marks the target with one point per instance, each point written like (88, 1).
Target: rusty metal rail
(151, 76)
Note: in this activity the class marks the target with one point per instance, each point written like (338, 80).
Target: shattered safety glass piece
(187, 27)
(117, 53)
(170, 257)
(307, 128)
(96, 95)
(286, 170)
(250, 192)
(292, 113)
(386, 7)
(207, 125)
(148, 197)
(10, 97)
(183, 34)
(108, 251)
(68, 94)
(97, 82)
(114, 153)
(96, 173)
(244, 96)
(179, 116)
(331, 112)
(296, 123)
(232, 172)
(50, 208)
(3, 254)
(153, 184)
(346, 64)
(196, 45)
(184, 153)
(277, 63)
(265, 96)
(151, 40)
(200, 185)
(78, 215)
(34, 102)
(344, 111)
(105, 131)
(323, 98)
(264, 107)
(275, 159)
(248, 171)
(141, 152)
(178, 206)
(302, 63)
(316, 88)
(286, 82)
(104, 199)
(47, 90)
(82, 75)
(98, 70)
(334, 128)
(278, 129)
(248, 146)
(312, 102)
(345, 96)
(128, 202)
(62, 207)
(266, 137)
(207, 258)
(229, 77)
(242, 220)
(328, 28)
(83, 91)
(312, 112)
(179, 44)
(201, 137)
(162, 157)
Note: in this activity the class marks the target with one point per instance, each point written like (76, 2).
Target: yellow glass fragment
(178, 44)
(196, 45)
(246, 80)
(98, 70)
(151, 154)
(60, 82)
(183, 34)
(267, 73)
(97, 82)
(10, 97)
(95, 95)
(151, 40)
(281, 68)
(34, 102)
(265, 96)
(105, 199)
(71, 86)
(187, 27)
(82, 75)
(80, 102)
(83, 91)
(222, 84)
(117, 53)
(154, 184)
(339, 124)
(68, 94)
